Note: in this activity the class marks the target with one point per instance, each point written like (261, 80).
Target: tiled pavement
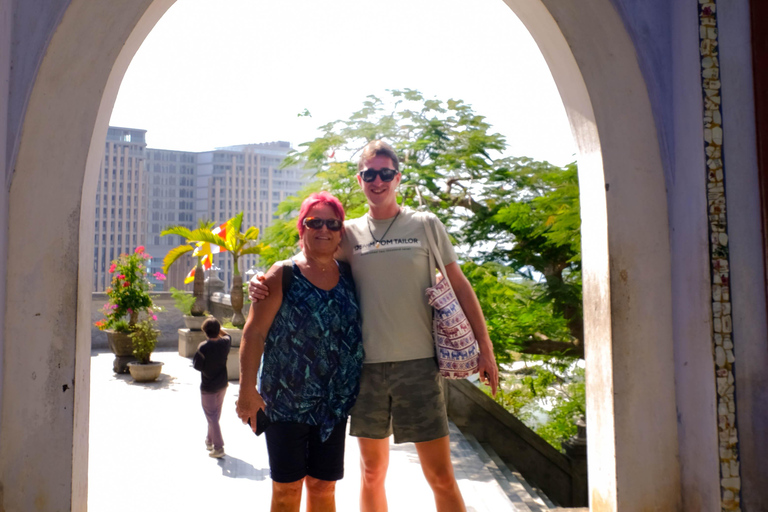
(147, 453)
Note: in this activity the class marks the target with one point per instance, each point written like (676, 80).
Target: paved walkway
(147, 453)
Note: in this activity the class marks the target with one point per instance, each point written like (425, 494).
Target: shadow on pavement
(232, 467)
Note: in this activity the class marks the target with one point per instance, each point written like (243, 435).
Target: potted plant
(184, 302)
(202, 252)
(236, 243)
(128, 296)
(144, 338)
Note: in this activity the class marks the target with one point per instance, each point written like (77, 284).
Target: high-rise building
(247, 179)
(120, 201)
(170, 202)
(142, 191)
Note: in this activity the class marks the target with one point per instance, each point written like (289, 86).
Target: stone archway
(633, 450)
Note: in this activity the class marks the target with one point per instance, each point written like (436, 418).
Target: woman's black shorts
(295, 451)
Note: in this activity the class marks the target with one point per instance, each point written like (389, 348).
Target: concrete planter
(189, 341)
(121, 345)
(233, 364)
(145, 372)
(194, 323)
(236, 335)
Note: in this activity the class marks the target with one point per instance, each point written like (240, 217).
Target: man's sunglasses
(317, 224)
(369, 175)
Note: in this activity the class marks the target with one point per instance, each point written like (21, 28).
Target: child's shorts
(295, 451)
(404, 397)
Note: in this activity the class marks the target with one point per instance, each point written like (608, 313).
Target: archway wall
(748, 293)
(33, 25)
(691, 288)
(43, 447)
(666, 36)
(5, 80)
(633, 449)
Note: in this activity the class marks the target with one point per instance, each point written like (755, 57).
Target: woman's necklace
(316, 263)
(378, 241)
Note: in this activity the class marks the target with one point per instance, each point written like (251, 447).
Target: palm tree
(198, 287)
(238, 244)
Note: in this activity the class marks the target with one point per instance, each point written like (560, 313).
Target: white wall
(750, 336)
(44, 442)
(691, 288)
(5, 72)
(633, 444)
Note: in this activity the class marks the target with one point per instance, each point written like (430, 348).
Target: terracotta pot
(119, 343)
(145, 372)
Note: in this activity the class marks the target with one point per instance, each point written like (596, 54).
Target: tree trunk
(236, 298)
(198, 308)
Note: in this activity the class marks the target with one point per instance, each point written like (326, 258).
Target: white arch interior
(633, 441)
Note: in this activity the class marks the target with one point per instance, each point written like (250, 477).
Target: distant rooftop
(120, 134)
(278, 145)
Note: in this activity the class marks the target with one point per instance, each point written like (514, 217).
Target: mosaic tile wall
(730, 479)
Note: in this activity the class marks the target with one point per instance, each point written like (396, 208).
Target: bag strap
(434, 253)
(287, 276)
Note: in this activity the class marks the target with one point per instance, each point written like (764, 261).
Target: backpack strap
(345, 269)
(287, 276)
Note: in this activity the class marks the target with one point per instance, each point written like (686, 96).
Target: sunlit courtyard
(147, 452)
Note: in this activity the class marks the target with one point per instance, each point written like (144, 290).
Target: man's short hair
(378, 148)
(211, 328)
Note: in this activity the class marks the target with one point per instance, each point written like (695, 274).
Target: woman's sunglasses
(369, 175)
(317, 224)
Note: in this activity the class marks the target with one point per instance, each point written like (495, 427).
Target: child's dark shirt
(211, 361)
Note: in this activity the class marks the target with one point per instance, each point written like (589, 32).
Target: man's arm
(257, 289)
(260, 319)
(489, 373)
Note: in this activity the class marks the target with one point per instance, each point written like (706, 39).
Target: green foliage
(531, 225)
(546, 394)
(236, 242)
(174, 254)
(515, 222)
(120, 326)
(128, 293)
(519, 216)
(567, 406)
(515, 313)
(183, 300)
(144, 339)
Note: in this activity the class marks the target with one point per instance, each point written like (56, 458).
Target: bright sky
(239, 71)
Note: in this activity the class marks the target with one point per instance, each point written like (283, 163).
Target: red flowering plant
(128, 293)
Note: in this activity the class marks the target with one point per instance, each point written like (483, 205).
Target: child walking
(211, 361)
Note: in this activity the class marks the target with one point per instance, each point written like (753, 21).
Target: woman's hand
(248, 404)
(257, 290)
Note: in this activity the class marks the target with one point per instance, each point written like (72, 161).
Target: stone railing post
(576, 450)
(212, 285)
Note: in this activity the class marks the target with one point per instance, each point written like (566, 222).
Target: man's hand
(248, 404)
(257, 290)
(489, 373)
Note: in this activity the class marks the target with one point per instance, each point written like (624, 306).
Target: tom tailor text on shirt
(387, 244)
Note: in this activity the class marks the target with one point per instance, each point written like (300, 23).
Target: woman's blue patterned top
(313, 354)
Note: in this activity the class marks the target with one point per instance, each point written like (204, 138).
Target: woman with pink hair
(309, 333)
